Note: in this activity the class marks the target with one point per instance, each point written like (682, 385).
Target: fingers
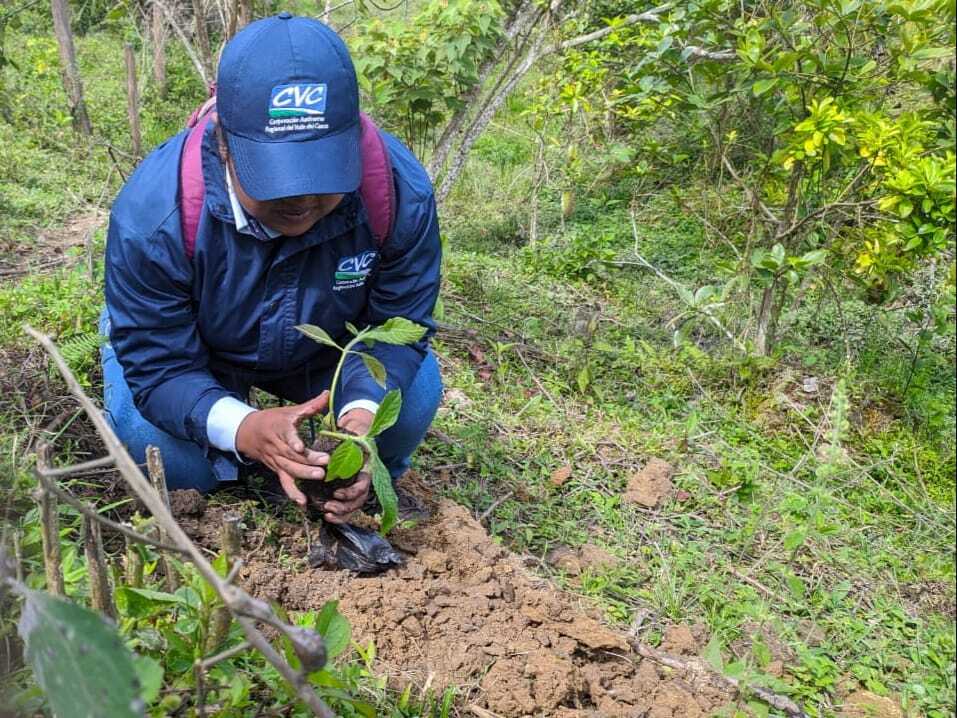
(298, 470)
(359, 489)
(313, 406)
(347, 500)
(289, 486)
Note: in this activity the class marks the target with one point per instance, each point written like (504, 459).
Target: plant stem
(335, 377)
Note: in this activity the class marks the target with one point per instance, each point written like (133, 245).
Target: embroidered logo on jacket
(352, 272)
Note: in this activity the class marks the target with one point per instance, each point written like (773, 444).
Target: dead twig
(697, 667)
(157, 474)
(49, 526)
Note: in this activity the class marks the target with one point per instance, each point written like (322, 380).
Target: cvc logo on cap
(299, 100)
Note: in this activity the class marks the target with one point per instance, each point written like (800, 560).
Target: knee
(423, 397)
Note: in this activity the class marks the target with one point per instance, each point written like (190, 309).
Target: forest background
(718, 234)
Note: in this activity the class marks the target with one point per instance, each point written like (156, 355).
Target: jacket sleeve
(153, 330)
(405, 284)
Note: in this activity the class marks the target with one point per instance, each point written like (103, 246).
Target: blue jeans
(188, 466)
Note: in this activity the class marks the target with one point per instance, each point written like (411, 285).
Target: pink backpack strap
(192, 185)
(376, 188)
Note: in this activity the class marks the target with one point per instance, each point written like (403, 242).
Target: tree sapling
(353, 452)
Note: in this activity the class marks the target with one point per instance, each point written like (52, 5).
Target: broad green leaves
(382, 484)
(334, 629)
(73, 652)
(387, 414)
(317, 334)
(376, 369)
(143, 603)
(345, 461)
(397, 330)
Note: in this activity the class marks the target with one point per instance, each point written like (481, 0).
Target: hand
(350, 498)
(270, 436)
(347, 500)
(357, 421)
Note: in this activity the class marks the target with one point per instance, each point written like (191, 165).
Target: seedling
(353, 451)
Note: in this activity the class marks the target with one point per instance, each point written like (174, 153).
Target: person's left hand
(356, 421)
(350, 498)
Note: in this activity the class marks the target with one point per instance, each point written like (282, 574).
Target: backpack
(376, 187)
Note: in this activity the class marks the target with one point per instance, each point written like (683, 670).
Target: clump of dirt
(575, 562)
(864, 704)
(187, 502)
(463, 611)
(650, 486)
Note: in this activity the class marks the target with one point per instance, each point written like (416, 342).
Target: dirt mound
(463, 611)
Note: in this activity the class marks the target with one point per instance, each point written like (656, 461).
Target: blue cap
(288, 103)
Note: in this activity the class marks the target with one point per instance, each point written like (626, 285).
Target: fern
(80, 351)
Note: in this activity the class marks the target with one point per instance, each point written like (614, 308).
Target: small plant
(355, 451)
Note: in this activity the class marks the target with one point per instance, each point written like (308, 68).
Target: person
(191, 330)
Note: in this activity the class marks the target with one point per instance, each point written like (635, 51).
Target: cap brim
(270, 170)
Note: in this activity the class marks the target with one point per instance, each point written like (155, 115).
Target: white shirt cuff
(223, 422)
(367, 404)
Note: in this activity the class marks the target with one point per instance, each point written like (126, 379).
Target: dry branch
(157, 474)
(201, 70)
(201, 33)
(133, 100)
(158, 30)
(231, 544)
(101, 596)
(69, 70)
(49, 527)
(307, 644)
(696, 667)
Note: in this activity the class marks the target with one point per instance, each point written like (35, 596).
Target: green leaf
(334, 629)
(397, 330)
(712, 654)
(142, 603)
(352, 328)
(345, 461)
(795, 586)
(317, 334)
(150, 673)
(814, 257)
(385, 492)
(762, 86)
(583, 379)
(375, 367)
(71, 650)
(387, 414)
(794, 539)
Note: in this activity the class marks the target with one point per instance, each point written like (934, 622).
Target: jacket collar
(222, 203)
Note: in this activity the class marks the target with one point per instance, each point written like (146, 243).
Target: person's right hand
(271, 437)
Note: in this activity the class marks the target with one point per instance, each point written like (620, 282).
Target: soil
(463, 611)
(650, 486)
(864, 704)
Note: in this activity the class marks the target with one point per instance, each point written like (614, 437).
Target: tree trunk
(245, 13)
(202, 37)
(159, 50)
(133, 100)
(764, 337)
(69, 70)
(492, 105)
(520, 23)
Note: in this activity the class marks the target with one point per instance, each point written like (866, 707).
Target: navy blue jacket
(180, 327)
